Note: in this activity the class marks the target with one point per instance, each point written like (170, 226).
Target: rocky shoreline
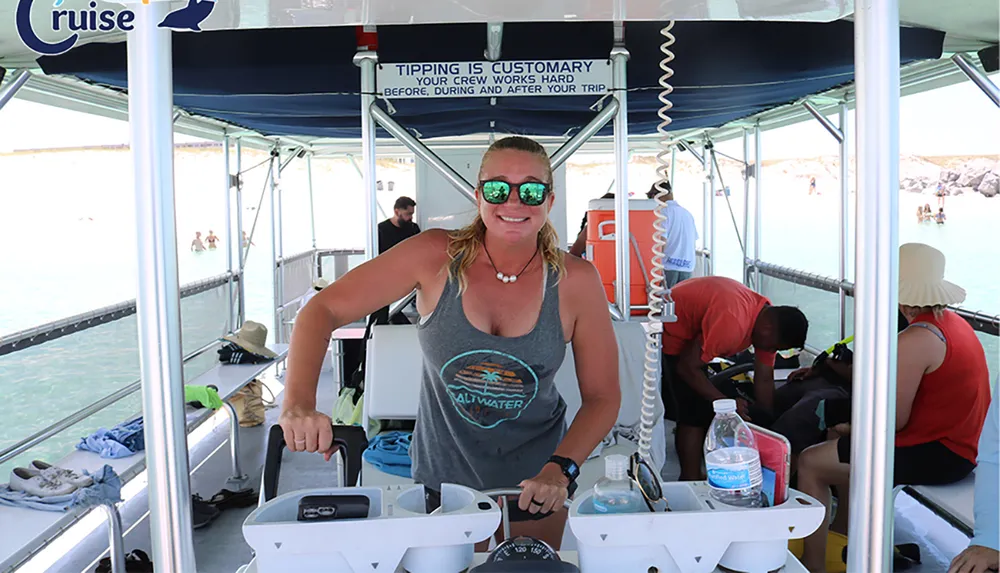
(980, 175)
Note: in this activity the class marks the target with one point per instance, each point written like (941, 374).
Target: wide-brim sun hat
(921, 278)
(251, 337)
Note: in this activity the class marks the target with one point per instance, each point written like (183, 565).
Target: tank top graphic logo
(488, 388)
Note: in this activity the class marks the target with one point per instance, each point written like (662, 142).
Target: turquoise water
(68, 248)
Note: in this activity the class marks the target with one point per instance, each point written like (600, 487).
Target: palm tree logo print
(488, 377)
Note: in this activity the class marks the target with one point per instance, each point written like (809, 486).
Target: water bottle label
(734, 476)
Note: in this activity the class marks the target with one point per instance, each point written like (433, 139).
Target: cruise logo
(94, 19)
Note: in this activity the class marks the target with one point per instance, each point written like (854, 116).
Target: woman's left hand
(545, 492)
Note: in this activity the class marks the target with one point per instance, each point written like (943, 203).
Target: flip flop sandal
(135, 562)
(227, 499)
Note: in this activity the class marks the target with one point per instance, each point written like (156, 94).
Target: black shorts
(680, 401)
(924, 464)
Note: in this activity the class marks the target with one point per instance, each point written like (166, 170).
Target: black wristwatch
(570, 469)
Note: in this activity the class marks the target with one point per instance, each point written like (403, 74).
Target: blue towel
(390, 452)
(121, 441)
(107, 488)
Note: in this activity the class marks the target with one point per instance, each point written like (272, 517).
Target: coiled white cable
(657, 291)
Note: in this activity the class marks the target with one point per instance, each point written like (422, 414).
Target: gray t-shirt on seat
(489, 414)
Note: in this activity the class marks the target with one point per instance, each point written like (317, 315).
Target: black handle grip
(351, 439)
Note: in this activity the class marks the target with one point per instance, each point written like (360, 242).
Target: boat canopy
(302, 81)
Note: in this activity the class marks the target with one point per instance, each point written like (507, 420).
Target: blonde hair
(465, 243)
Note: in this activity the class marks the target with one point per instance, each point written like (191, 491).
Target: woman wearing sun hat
(942, 395)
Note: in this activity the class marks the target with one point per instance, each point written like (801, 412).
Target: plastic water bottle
(615, 492)
(732, 459)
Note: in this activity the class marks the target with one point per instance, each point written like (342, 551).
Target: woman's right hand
(307, 430)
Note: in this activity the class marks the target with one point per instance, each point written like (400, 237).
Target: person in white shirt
(681, 235)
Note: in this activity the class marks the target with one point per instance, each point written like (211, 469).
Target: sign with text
(494, 79)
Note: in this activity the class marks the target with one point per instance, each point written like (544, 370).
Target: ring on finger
(536, 502)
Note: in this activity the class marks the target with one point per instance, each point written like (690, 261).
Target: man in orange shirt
(719, 317)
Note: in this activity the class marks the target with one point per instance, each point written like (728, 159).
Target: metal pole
(273, 255)
(757, 168)
(238, 478)
(574, 143)
(963, 62)
(468, 190)
(710, 158)
(673, 164)
(150, 97)
(361, 174)
(241, 289)
(116, 545)
(312, 208)
(746, 201)
(824, 121)
(280, 285)
(619, 83)
(706, 232)
(845, 184)
(367, 60)
(17, 81)
(876, 62)
(229, 233)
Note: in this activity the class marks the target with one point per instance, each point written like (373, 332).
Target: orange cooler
(601, 245)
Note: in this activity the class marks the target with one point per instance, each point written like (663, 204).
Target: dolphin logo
(190, 16)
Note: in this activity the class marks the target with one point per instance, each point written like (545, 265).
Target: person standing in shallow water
(196, 245)
(211, 239)
(498, 302)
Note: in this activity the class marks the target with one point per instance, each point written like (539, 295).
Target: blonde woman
(498, 301)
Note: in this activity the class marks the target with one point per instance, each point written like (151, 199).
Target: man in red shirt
(719, 317)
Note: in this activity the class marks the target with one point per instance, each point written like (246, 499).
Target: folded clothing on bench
(390, 453)
(107, 488)
(121, 441)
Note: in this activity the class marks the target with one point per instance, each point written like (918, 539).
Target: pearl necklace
(508, 278)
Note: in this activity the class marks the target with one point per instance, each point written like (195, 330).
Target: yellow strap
(847, 340)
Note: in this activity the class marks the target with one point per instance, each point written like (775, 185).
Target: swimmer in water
(212, 239)
(196, 245)
(940, 217)
(246, 240)
(812, 186)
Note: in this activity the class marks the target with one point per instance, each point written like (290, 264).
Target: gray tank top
(489, 414)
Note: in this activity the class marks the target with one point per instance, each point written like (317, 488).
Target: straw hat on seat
(921, 278)
(251, 337)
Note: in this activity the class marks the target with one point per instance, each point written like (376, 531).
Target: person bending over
(717, 316)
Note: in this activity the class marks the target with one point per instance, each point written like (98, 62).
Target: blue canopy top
(302, 81)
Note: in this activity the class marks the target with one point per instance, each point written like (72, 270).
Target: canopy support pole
(876, 62)
(845, 186)
(150, 102)
(746, 204)
(17, 82)
(619, 85)
(963, 62)
(468, 190)
(757, 167)
(273, 255)
(366, 60)
(230, 320)
(238, 184)
(312, 205)
(590, 130)
(826, 123)
(709, 158)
